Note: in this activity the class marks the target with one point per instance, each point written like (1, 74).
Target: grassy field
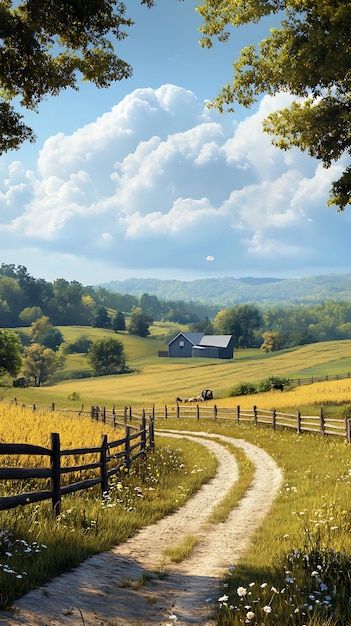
(311, 515)
(157, 380)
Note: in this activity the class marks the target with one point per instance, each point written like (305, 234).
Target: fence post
(255, 415)
(103, 461)
(127, 447)
(298, 422)
(197, 412)
(238, 413)
(143, 432)
(55, 473)
(274, 419)
(348, 428)
(178, 409)
(166, 412)
(152, 433)
(104, 414)
(215, 411)
(125, 415)
(53, 406)
(322, 421)
(130, 413)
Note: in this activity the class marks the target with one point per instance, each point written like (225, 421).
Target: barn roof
(202, 341)
(194, 338)
(215, 341)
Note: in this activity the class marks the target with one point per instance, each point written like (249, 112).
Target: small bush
(243, 389)
(74, 396)
(267, 383)
(80, 346)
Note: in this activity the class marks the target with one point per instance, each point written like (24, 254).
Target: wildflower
(263, 585)
(250, 615)
(274, 590)
(241, 591)
(223, 598)
(267, 609)
(173, 618)
(288, 579)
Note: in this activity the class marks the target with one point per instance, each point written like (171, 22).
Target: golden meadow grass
(317, 394)
(157, 380)
(23, 425)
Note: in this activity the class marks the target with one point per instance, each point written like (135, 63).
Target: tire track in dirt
(132, 585)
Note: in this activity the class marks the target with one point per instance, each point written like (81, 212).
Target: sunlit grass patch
(183, 550)
(246, 470)
(336, 392)
(308, 585)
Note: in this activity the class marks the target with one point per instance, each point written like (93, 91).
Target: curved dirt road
(133, 584)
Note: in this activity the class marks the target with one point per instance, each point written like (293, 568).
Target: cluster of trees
(39, 353)
(281, 326)
(24, 299)
(45, 352)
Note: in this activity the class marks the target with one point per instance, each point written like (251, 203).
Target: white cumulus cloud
(159, 179)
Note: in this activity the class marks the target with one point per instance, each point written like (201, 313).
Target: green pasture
(160, 380)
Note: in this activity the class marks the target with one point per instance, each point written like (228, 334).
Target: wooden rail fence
(113, 455)
(295, 421)
(110, 456)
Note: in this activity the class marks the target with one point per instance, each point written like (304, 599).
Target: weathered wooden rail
(110, 457)
(294, 421)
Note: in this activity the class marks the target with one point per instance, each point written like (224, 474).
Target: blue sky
(143, 180)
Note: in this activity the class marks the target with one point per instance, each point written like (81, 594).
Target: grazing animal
(207, 394)
(278, 386)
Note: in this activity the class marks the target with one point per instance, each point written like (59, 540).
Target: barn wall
(175, 349)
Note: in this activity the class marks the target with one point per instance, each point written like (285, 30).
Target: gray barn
(200, 345)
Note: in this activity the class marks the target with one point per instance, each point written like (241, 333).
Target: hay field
(324, 393)
(157, 380)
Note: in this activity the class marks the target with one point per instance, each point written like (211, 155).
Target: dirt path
(133, 584)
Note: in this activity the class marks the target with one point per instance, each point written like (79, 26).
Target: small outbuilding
(203, 346)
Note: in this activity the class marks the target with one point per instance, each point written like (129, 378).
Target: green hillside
(227, 291)
(158, 380)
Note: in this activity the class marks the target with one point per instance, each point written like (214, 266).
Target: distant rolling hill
(226, 291)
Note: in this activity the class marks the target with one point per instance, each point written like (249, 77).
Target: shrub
(267, 383)
(80, 346)
(243, 389)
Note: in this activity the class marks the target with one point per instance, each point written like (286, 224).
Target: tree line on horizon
(39, 353)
